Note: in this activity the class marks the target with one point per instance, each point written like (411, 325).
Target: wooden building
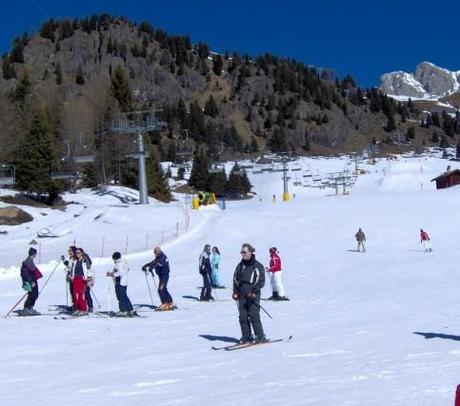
(447, 179)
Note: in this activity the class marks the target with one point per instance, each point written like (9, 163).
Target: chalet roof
(447, 174)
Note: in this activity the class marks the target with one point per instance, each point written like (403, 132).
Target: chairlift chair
(7, 175)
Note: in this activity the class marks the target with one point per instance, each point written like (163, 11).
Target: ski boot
(260, 340)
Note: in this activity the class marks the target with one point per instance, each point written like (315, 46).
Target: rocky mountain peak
(429, 81)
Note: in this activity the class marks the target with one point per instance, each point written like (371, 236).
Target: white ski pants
(427, 244)
(277, 283)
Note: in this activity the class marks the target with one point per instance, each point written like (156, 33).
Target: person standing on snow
(30, 274)
(120, 278)
(275, 276)
(215, 276)
(360, 237)
(205, 271)
(89, 281)
(161, 265)
(69, 264)
(426, 240)
(248, 281)
(80, 274)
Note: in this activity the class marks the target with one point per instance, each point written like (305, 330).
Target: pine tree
(65, 29)
(80, 78)
(210, 109)
(8, 70)
(89, 175)
(199, 175)
(17, 53)
(121, 90)
(34, 158)
(238, 182)
(410, 134)
(217, 64)
(47, 29)
(278, 141)
(58, 73)
(444, 143)
(307, 146)
(196, 120)
(23, 89)
(157, 180)
(216, 183)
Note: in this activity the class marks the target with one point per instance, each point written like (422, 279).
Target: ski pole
(49, 277)
(108, 296)
(148, 286)
(261, 307)
(66, 291)
(16, 305)
(91, 292)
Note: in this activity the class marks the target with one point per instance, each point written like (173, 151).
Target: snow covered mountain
(428, 82)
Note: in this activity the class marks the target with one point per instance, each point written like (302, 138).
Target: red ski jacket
(275, 263)
(424, 236)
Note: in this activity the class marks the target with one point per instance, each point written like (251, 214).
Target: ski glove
(27, 287)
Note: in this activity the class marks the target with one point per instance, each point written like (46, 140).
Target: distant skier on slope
(275, 276)
(426, 240)
(30, 274)
(360, 237)
(161, 265)
(248, 281)
(205, 271)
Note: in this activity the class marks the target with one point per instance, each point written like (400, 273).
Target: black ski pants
(249, 310)
(32, 296)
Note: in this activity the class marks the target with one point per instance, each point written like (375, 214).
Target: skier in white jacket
(120, 276)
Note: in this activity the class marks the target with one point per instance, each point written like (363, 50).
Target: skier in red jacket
(275, 276)
(425, 239)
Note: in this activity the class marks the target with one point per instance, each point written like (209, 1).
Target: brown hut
(447, 179)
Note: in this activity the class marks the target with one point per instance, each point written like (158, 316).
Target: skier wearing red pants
(80, 274)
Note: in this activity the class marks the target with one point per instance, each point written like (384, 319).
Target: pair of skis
(240, 346)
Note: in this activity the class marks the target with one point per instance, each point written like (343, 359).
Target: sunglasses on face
(244, 252)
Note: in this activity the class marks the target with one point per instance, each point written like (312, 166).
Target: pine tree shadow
(225, 339)
(437, 335)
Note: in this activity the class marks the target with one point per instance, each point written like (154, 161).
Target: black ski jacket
(249, 277)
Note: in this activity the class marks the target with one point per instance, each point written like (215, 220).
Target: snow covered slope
(371, 329)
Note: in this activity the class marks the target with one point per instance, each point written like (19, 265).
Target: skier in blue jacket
(161, 265)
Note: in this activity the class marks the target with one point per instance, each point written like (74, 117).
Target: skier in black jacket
(248, 280)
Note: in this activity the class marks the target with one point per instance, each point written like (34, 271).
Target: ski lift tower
(139, 123)
(284, 161)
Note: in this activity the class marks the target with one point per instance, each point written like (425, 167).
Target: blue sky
(363, 38)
